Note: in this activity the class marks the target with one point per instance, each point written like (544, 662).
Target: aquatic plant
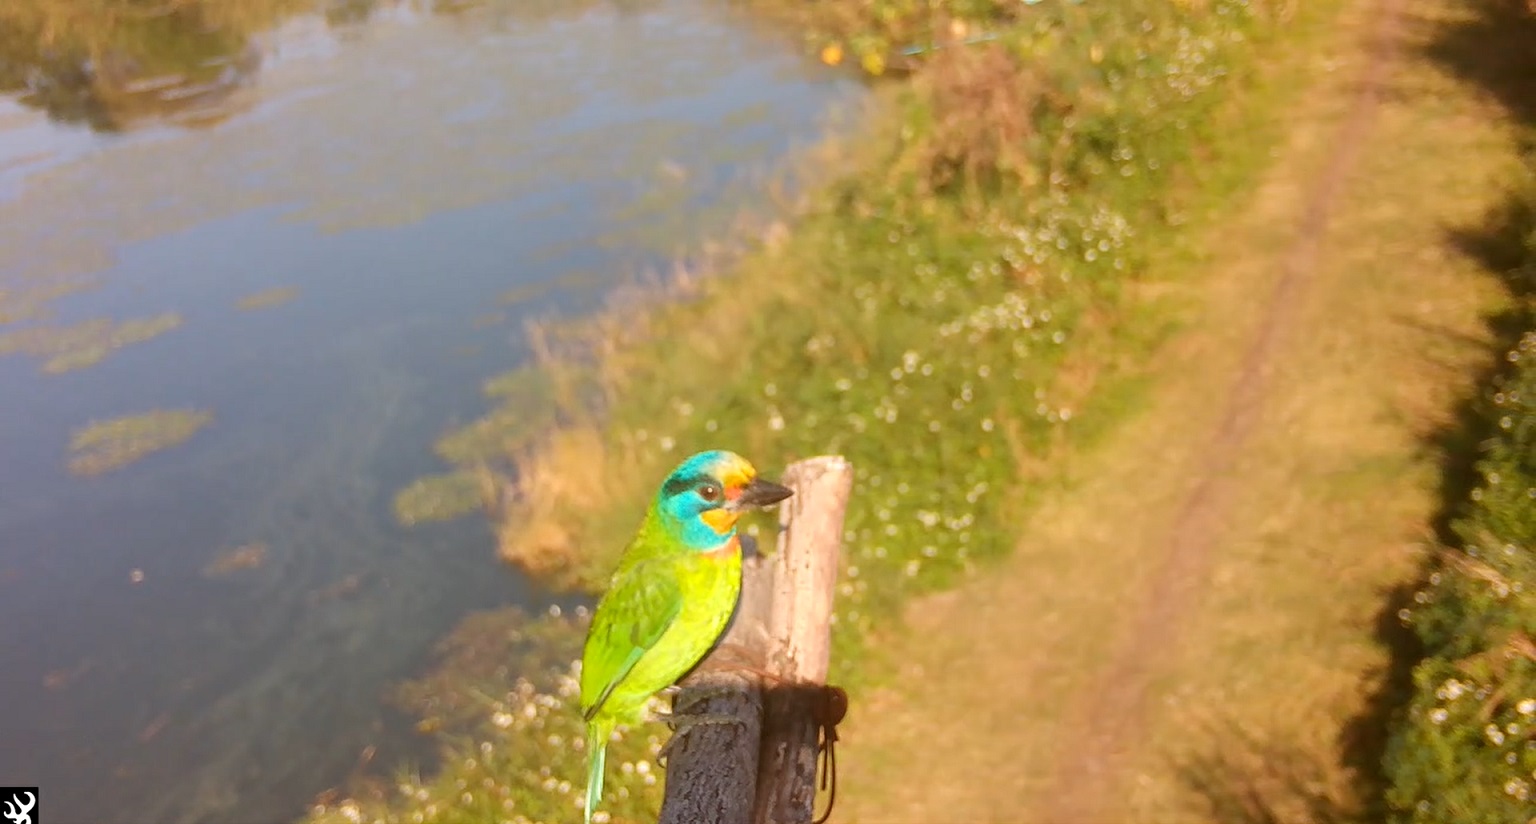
(236, 560)
(268, 298)
(67, 348)
(103, 446)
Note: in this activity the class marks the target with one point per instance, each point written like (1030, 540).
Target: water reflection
(114, 64)
(293, 223)
(117, 64)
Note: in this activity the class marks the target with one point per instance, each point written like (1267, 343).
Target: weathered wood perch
(767, 671)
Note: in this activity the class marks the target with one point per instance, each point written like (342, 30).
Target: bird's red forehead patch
(734, 477)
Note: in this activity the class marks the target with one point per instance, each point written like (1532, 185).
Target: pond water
(318, 215)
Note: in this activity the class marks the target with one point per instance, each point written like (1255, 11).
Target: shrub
(1465, 751)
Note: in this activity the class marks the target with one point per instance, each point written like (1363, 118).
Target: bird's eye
(709, 492)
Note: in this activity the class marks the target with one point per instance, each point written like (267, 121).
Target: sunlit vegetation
(268, 298)
(928, 315)
(104, 446)
(66, 348)
(915, 319)
(1463, 751)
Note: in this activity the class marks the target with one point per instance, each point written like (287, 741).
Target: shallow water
(394, 169)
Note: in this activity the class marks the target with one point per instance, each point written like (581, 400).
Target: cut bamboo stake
(799, 629)
(740, 773)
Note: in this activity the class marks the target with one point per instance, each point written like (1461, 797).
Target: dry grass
(982, 120)
(550, 493)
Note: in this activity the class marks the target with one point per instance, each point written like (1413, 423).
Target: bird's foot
(683, 724)
(695, 695)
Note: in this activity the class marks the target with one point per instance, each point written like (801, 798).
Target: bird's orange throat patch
(728, 550)
(720, 520)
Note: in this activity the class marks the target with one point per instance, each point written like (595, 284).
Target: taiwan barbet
(671, 597)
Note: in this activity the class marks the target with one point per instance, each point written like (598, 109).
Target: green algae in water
(268, 298)
(441, 497)
(103, 446)
(233, 561)
(67, 348)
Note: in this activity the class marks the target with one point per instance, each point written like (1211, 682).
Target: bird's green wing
(642, 603)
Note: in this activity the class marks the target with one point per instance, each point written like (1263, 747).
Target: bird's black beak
(761, 493)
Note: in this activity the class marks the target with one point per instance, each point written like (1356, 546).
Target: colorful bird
(670, 598)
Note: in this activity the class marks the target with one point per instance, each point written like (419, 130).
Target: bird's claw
(683, 724)
(695, 695)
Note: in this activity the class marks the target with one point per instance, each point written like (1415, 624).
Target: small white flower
(1451, 690)
(1495, 735)
(1438, 715)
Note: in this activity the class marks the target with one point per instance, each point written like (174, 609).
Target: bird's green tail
(597, 753)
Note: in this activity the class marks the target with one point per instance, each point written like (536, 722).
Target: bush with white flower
(1465, 750)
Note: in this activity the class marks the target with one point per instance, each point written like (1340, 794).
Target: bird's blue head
(702, 499)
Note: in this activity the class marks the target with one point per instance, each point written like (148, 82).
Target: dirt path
(1110, 712)
(1193, 628)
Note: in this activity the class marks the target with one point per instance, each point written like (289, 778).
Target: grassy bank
(939, 311)
(930, 314)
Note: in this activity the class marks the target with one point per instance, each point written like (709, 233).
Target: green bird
(674, 591)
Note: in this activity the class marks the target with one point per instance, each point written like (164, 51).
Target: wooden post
(747, 772)
(799, 629)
